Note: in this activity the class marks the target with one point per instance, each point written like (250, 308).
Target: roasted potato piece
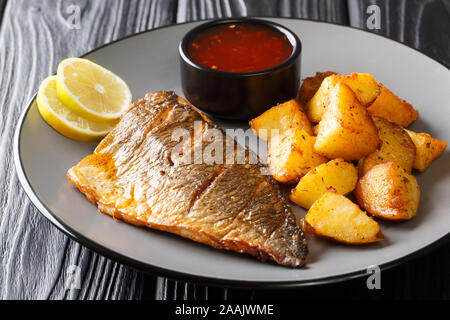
(338, 174)
(281, 117)
(334, 216)
(363, 85)
(346, 129)
(310, 86)
(291, 155)
(317, 104)
(388, 192)
(396, 146)
(396, 110)
(427, 149)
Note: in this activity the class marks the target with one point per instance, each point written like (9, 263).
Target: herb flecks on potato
(318, 103)
(291, 155)
(347, 118)
(337, 174)
(428, 149)
(346, 129)
(378, 99)
(389, 192)
(396, 110)
(335, 216)
(364, 86)
(287, 115)
(396, 146)
(310, 86)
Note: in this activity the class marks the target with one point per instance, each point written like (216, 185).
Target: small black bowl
(235, 95)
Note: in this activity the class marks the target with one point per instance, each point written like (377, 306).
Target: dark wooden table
(34, 37)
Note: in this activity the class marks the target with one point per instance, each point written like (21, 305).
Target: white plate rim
(176, 275)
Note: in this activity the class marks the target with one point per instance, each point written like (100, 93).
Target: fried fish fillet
(134, 176)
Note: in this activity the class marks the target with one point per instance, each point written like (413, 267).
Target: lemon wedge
(64, 120)
(91, 91)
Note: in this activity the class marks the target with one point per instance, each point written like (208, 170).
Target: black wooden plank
(421, 24)
(2, 9)
(34, 37)
(326, 10)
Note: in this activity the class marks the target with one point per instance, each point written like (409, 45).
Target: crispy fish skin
(133, 176)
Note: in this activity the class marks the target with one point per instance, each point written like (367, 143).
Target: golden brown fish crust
(133, 176)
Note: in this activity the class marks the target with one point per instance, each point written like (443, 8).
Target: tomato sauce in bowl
(238, 68)
(239, 47)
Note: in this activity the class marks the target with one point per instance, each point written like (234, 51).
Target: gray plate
(149, 62)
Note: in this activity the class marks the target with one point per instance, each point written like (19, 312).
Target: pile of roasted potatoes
(344, 134)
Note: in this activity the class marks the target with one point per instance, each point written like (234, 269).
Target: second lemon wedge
(64, 120)
(92, 91)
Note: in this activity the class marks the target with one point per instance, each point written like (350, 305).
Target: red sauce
(239, 47)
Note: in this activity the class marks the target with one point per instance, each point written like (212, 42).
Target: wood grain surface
(36, 35)
(422, 24)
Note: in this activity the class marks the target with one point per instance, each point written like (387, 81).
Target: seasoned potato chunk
(317, 104)
(280, 118)
(396, 110)
(310, 86)
(363, 85)
(427, 149)
(396, 146)
(346, 129)
(388, 192)
(334, 216)
(338, 174)
(291, 155)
